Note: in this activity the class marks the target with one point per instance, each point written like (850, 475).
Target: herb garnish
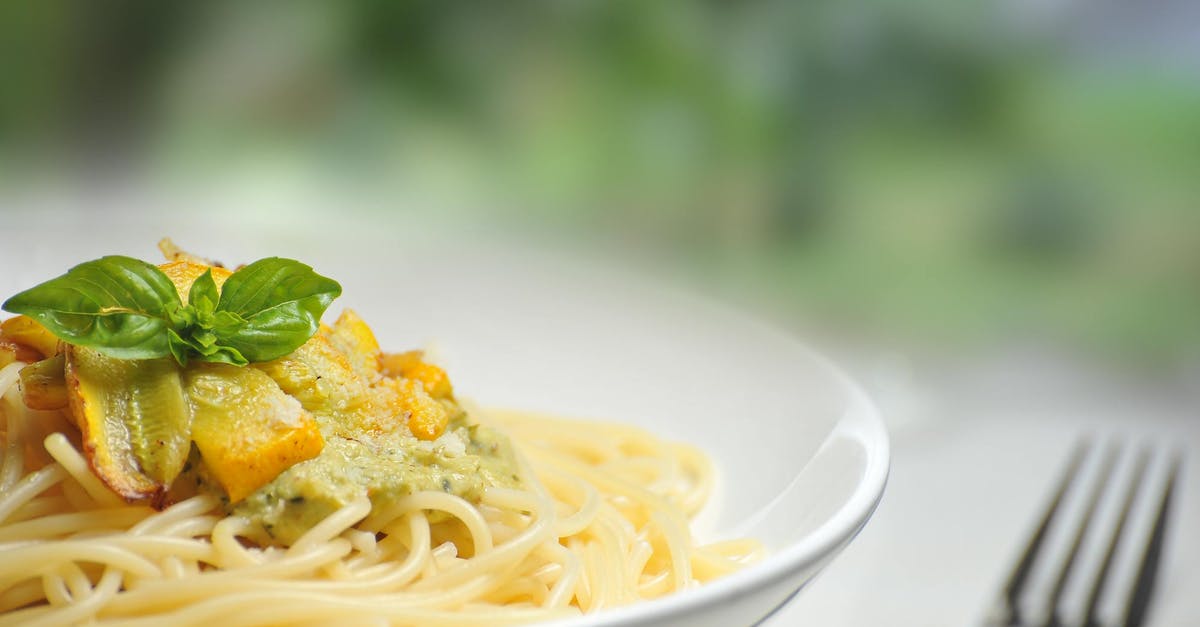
(129, 309)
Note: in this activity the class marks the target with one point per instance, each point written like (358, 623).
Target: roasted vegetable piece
(133, 417)
(184, 273)
(354, 338)
(246, 428)
(427, 417)
(43, 384)
(175, 253)
(25, 331)
(319, 376)
(411, 365)
(10, 353)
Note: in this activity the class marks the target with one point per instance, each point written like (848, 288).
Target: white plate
(802, 453)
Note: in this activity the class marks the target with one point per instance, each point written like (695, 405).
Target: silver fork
(1010, 610)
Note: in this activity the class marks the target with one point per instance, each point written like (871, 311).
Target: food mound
(284, 441)
(166, 430)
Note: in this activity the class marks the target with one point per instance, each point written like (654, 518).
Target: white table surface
(977, 447)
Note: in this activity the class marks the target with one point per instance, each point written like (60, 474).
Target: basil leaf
(203, 294)
(226, 323)
(198, 326)
(129, 309)
(205, 339)
(116, 305)
(225, 355)
(281, 300)
(181, 316)
(179, 347)
(202, 347)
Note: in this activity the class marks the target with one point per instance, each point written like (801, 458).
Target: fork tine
(1098, 489)
(1010, 608)
(1148, 570)
(1093, 599)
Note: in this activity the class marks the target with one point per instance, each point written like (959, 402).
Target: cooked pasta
(601, 519)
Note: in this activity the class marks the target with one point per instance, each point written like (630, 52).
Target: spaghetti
(601, 520)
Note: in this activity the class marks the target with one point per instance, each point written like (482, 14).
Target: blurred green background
(953, 173)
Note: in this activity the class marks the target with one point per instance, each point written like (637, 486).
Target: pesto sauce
(384, 468)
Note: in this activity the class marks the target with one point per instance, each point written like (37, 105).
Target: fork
(1009, 610)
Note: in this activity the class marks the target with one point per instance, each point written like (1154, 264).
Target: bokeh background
(944, 174)
(989, 211)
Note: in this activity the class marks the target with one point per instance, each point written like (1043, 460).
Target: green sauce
(383, 468)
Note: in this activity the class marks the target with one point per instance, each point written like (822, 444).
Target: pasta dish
(184, 444)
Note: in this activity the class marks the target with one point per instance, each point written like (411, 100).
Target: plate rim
(862, 418)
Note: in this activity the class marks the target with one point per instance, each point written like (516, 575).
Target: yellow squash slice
(351, 335)
(246, 428)
(133, 418)
(184, 273)
(320, 377)
(8, 354)
(25, 331)
(411, 365)
(426, 417)
(44, 385)
(11, 352)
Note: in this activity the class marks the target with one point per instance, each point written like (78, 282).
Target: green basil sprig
(129, 309)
